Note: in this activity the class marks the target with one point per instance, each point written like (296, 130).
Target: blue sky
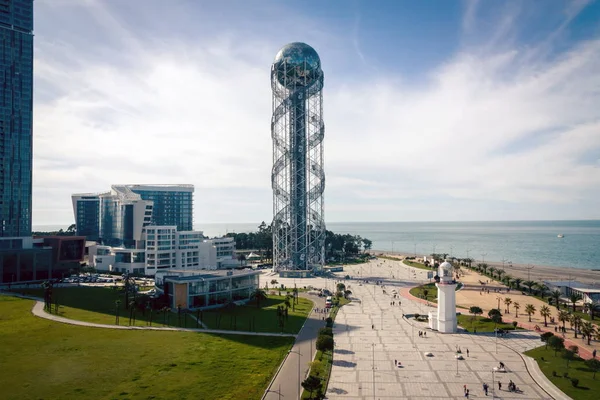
(434, 110)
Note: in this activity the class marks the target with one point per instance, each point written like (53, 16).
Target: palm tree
(469, 261)
(517, 282)
(516, 306)
(545, 312)
(479, 266)
(555, 294)
(492, 270)
(529, 284)
(500, 272)
(507, 302)
(529, 309)
(258, 294)
(507, 279)
(574, 298)
(563, 317)
(576, 322)
(588, 330)
(542, 289)
(484, 267)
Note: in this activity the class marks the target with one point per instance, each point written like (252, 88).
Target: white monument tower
(445, 320)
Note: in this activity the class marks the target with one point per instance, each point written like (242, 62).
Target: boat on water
(560, 235)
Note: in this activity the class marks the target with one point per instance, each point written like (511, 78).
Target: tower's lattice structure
(297, 177)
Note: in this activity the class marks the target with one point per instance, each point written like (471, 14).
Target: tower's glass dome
(297, 64)
(445, 271)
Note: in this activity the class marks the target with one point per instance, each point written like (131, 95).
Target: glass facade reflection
(173, 205)
(16, 116)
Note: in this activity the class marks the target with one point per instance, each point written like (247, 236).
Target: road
(286, 385)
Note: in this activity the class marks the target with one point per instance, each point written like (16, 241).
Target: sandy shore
(537, 273)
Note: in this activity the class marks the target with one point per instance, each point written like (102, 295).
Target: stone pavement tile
(433, 347)
(388, 390)
(405, 356)
(369, 355)
(409, 375)
(425, 390)
(457, 389)
(415, 365)
(447, 365)
(463, 376)
(343, 376)
(344, 390)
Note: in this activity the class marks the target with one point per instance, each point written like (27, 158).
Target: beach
(538, 273)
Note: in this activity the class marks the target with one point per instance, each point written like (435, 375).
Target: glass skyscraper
(173, 204)
(16, 116)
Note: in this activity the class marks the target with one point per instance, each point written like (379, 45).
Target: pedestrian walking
(467, 352)
(465, 389)
(485, 388)
(467, 394)
(373, 326)
(594, 353)
(499, 385)
(396, 362)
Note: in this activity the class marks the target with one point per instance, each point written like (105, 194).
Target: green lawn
(419, 291)
(49, 360)
(417, 265)
(263, 319)
(97, 304)
(588, 387)
(482, 324)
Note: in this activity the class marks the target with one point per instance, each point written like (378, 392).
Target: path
(294, 369)
(371, 335)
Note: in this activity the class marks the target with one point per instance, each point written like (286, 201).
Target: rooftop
(188, 275)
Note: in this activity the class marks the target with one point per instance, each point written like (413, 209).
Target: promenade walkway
(372, 337)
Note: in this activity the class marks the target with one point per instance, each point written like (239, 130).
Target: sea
(519, 242)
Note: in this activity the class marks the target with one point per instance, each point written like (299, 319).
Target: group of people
(512, 387)
(422, 334)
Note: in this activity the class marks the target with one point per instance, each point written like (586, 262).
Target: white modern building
(165, 248)
(444, 320)
(589, 293)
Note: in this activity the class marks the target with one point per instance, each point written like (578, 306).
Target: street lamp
(275, 391)
(298, 353)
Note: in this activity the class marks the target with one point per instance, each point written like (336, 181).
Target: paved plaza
(371, 335)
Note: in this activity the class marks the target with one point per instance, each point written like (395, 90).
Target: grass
(50, 360)
(482, 324)
(418, 291)
(588, 387)
(263, 319)
(97, 304)
(417, 265)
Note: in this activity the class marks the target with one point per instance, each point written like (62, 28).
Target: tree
(484, 267)
(475, 311)
(500, 272)
(542, 289)
(545, 336)
(555, 294)
(311, 383)
(516, 306)
(341, 287)
(588, 330)
(563, 317)
(242, 258)
(530, 285)
(556, 343)
(495, 315)
(568, 355)
(545, 312)
(492, 270)
(517, 282)
(576, 322)
(324, 343)
(367, 244)
(529, 309)
(574, 298)
(508, 302)
(259, 295)
(347, 293)
(594, 365)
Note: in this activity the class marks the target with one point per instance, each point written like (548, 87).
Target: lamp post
(373, 344)
(493, 384)
(483, 257)
(298, 353)
(529, 268)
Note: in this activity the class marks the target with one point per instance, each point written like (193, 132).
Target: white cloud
(501, 126)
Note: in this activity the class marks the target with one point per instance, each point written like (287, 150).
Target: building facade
(173, 204)
(16, 116)
(206, 289)
(87, 215)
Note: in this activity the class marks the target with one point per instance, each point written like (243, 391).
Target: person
(594, 353)
(396, 362)
(467, 394)
(485, 388)
(372, 326)
(502, 365)
(499, 385)
(465, 389)
(467, 352)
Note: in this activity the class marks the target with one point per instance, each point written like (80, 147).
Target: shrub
(329, 322)
(515, 323)
(545, 336)
(554, 373)
(324, 343)
(574, 382)
(326, 332)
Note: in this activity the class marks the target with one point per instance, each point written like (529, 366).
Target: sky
(433, 110)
